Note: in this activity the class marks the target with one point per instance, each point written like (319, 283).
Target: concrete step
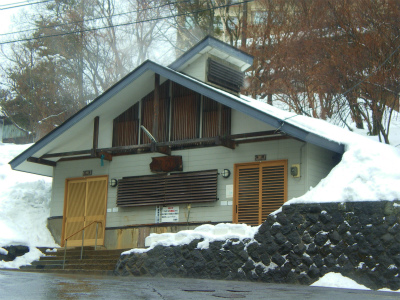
(99, 261)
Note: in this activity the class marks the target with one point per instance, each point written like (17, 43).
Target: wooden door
(85, 202)
(259, 189)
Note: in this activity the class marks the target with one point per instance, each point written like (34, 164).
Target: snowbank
(368, 168)
(24, 208)
(337, 280)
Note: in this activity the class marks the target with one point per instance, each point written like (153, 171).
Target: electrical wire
(94, 19)
(123, 24)
(17, 5)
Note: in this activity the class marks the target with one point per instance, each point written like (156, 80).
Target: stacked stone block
(300, 244)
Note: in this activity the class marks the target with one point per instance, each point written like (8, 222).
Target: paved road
(32, 286)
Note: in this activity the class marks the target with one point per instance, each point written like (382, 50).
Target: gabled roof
(129, 90)
(216, 48)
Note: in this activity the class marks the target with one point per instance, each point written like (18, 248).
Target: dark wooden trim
(156, 105)
(262, 139)
(55, 218)
(226, 142)
(219, 119)
(77, 158)
(42, 161)
(70, 153)
(107, 156)
(95, 135)
(161, 149)
(255, 134)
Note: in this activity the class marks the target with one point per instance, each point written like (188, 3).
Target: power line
(94, 19)
(123, 24)
(17, 4)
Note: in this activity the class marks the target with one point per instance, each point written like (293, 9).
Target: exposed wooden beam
(156, 104)
(70, 153)
(95, 135)
(154, 147)
(42, 161)
(219, 119)
(228, 143)
(107, 156)
(263, 139)
(255, 134)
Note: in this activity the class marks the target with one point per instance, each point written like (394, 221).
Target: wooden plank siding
(185, 113)
(210, 122)
(192, 116)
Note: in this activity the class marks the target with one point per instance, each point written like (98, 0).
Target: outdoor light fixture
(113, 182)
(226, 173)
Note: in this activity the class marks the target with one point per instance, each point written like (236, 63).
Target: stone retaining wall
(300, 244)
(13, 252)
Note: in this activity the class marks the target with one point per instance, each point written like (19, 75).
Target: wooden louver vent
(224, 76)
(188, 187)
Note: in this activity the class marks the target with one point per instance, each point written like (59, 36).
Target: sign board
(260, 157)
(166, 164)
(170, 214)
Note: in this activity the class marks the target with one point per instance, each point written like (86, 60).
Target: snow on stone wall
(300, 244)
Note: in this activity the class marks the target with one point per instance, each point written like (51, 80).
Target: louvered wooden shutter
(273, 185)
(176, 188)
(260, 188)
(248, 195)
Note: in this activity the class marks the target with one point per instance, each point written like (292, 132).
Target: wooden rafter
(42, 161)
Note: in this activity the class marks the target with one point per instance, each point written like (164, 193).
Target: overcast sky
(5, 15)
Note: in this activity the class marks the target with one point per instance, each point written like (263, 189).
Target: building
(9, 133)
(170, 148)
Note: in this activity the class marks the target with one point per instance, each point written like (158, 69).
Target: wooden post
(219, 119)
(95, 135)
(156, 103)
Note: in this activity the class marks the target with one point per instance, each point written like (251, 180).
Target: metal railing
(83, 239)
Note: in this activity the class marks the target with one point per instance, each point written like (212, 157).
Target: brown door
(259, 189)
(85, 202)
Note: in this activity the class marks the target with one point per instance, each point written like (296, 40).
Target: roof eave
(216, 44)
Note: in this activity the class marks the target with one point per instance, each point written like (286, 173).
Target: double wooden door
(259, 189)
(85, 201)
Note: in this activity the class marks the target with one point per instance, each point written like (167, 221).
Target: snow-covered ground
(368, 171)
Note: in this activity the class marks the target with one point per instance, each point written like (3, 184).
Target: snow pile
(366, 172)
(24, 208)
(209, 233)
(337, 280)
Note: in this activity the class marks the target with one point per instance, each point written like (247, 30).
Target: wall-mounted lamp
(113, 182)
(226, 173)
